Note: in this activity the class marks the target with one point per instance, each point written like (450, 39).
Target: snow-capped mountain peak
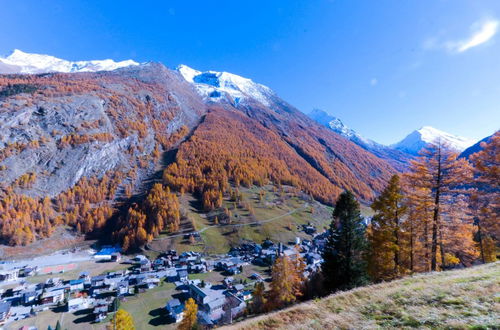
(21, 62)
(420, 138)
(216, 85)
(336, 125)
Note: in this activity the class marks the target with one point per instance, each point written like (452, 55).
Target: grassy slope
(468, 298)
(220, 239)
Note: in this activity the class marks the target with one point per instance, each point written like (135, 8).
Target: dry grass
(461, 299)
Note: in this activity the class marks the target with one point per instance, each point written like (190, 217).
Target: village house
(52, 297)
(175, 309)
(100, 312)
(160, 264)
(182, 275)
(78, 303)
(228, 282)
(9, 275)
(210, 301)
(27, 271)
(309, 229)
(171, 275)
(122, 288)
(51, 282)
(97, 281)
(29, 297)
(76, 285)
(106, 253)
(145, 265)
(246, 295)
(313, 259)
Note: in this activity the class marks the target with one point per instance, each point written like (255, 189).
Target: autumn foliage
(287, 283)
(159, 212)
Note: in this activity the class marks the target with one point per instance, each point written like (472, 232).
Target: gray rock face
(38, 124)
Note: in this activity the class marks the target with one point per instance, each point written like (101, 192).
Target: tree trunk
(435, 218)
(411, 246)
(426, 239)
(441, 248)
(396, 241)
(480, 239)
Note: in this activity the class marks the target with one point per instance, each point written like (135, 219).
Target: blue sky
(384, 67)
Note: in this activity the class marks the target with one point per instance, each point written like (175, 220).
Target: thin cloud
(482, 33)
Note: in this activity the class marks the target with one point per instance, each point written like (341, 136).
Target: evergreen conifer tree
(344, 255)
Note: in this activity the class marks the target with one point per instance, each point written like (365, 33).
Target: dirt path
(229, 226)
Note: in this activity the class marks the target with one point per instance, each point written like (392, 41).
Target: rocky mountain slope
(74, 146)
(398, 159)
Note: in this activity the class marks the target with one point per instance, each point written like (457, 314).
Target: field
(277, 216)
(460, 299)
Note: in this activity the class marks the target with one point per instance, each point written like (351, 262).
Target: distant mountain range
(21, 62)
(197, 132)
(296, 148)
(244, 94)
(400, 153)
(398, 159)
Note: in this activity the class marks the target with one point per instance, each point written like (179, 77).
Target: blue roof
(108, 250)
(73, 282)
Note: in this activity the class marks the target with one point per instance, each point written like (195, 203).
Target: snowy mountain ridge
(21, 62)
(336, 125)
(216, 85)
(420, 138)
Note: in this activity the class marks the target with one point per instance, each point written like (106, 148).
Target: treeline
(441, 214)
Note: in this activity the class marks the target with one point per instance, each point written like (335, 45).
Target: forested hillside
(112, 151)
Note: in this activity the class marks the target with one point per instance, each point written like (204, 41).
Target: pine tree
(190, 315)
(384, 235)
(344, 265)
(121, 321)
(58, 325)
